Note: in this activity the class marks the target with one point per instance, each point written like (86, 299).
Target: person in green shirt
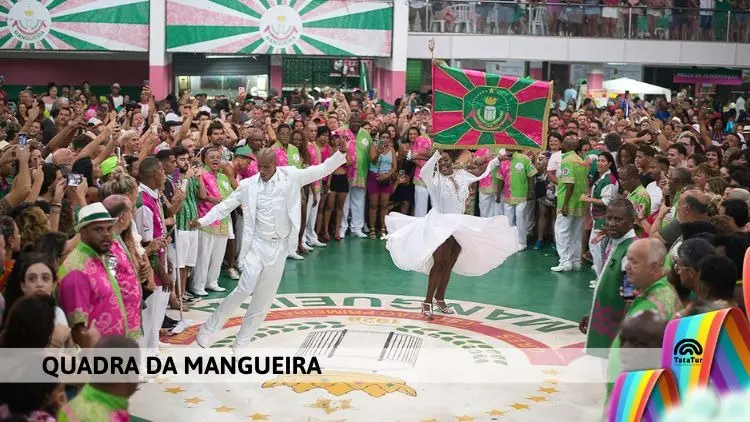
(636, 193)
(518, 175)
(602, 323)
(571, 185)
(98, 402)
(645, 271)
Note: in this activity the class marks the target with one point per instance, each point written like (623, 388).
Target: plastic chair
(538, 21)
(463, 14)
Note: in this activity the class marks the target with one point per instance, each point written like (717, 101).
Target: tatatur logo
(29, 21)
(281, 26)
(490, 109)
(688, 351)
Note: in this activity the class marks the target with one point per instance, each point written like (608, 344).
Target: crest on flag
(473, 110)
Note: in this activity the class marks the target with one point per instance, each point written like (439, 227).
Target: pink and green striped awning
(83, 25)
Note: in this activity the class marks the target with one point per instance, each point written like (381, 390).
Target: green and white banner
(310, 27)
(85, 25)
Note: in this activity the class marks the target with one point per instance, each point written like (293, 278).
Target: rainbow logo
(706, 350)
(643, 396)
(709, 348)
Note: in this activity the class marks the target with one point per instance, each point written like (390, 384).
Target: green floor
(524, 281)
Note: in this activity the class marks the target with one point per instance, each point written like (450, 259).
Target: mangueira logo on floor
(305, 27)
(376, 349)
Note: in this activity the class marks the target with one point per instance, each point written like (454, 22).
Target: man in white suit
(271, 204)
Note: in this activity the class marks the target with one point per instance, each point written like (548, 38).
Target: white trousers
(354, 206)
(152, 318)
(239, 224)
(597, 253)
(568, 239)
(261, 276)
(211, 248)
(421, 198)
(312, 217)
(488, 207)
(517, 217)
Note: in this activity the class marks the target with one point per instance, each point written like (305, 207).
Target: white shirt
(144, 218)
(118, 100)
(271, 216)
(739, 104)
(654, 192)
(448, 194)
(555, 162)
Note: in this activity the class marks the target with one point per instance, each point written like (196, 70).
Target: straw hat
(92, 213)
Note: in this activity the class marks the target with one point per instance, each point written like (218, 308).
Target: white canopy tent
(619, 86)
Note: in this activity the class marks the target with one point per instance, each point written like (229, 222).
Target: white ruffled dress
(485, 242)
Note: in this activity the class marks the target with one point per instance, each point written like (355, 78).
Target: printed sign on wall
(74, 25)
(304, 27)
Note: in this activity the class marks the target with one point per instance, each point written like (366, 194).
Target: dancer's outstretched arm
(427, 171)
(488, 167)
(317, 172)
(223, 208)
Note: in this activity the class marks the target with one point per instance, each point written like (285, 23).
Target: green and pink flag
(474, 110)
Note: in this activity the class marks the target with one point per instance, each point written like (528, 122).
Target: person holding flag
(447, 240)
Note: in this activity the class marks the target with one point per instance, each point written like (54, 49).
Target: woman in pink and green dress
(214, 187)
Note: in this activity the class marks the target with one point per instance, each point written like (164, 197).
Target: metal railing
(582, 18)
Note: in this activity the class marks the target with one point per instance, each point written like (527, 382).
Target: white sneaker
(593, 284)
(216, 288)
(296, 256)
(562, 268)
(199, 293)
(317, 244)
(359, 234)
(577, 266)
(342, 234)
(233, 274)
(163, 345)
(307, 247)
(203, 340)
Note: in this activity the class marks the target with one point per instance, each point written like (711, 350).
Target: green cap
(243, 152)
(108, 165)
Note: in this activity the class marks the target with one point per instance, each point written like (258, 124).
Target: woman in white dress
(446, 239)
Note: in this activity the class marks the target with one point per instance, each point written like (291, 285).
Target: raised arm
(320, 171)
(426, 172)
(488, 167)
(225, 207)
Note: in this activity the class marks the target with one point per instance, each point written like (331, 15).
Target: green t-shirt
(519, 172)
(573, 170)
(189, 209)
(641, 202)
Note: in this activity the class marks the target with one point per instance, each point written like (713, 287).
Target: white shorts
(609, 12)
(186, 248)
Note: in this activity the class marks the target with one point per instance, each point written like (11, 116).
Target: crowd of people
(689, 20)
(105, 204)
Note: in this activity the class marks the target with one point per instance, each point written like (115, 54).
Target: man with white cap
(271, 206)
(88, 291)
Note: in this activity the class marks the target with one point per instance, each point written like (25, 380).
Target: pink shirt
(419, 146)
(486, 185)
(130, 288)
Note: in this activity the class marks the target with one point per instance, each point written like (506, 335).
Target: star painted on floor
(162, 380)
(224, 409)
(464, 418)
(548, 390)
(495, 412)
(258, 417)
(345, 404)
(536, 399)
(550, 372)
(174, 390)
(520, 406)
(552, 381)
(194, 400)
(429, 420)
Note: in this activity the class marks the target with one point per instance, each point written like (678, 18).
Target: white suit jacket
(246, 194)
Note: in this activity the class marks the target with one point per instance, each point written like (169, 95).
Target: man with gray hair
(645, 270)
(271, 204)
